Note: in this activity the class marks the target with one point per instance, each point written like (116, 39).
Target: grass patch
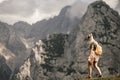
(111, 77)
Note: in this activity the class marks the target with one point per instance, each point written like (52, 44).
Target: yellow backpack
(98, 50)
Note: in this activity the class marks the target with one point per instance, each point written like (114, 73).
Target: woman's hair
(90, 36)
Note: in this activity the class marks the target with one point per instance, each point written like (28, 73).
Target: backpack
(98, 50)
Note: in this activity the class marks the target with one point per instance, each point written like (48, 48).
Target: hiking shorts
(93, 57)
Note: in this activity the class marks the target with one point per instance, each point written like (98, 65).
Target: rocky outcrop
(44, 61)
(7, 62)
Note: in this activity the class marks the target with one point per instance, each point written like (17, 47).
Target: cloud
(1, 1)
(79, 8)
(50, 6)
(112, 3)
(118, 7)
(15, 10)
(11, 19)
(17, 7)
(28, 7)
(31, 11)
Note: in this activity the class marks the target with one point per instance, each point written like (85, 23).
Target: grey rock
(5, 71)
(44, 61)
(4, 33)
(22, 29)
(58, 24)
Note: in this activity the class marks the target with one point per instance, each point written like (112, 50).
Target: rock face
(4, 33)
(8, 56)
(19, 36)
(13, 51)
(104, 23)
(7, 62)
(44, 60)
(58, 24)
(5, 71)
(22, 29)
(18, 31)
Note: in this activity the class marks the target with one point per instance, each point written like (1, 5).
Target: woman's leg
(89, 69)
(95, 64)
(90, 62)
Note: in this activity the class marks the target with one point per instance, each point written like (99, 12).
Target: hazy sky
(31, 11)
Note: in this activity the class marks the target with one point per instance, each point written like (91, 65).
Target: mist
(31, 11)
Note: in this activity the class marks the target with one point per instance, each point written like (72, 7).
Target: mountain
(44, 60)
(39, 30)
(60, 56)
(11, 49)
(22, 29)
(19, 38)
(64, 57)
(7, 62)
(4, 33)
(58, 24)
(104, 23)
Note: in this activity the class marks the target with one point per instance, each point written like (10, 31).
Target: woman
(93, 57)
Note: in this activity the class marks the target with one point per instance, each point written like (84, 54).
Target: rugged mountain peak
(64, 10)
(98, 4)
(104, 23)
(58, 24)
(22, 28)
(99, 14)
(21, 22)
(102, 9)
